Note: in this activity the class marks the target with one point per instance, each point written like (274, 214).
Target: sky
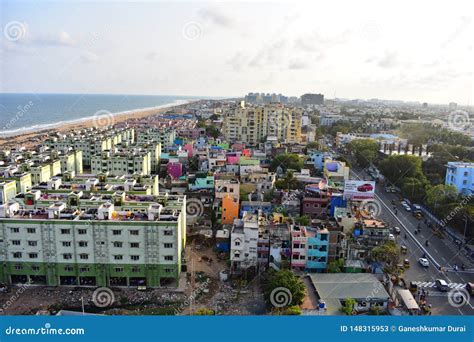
(406, 50)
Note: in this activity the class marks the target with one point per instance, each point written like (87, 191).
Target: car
(442, 285)
(391, 237)
(424, 262)
(406, 263)
(397, 230)
(406, 207)
(365, 187)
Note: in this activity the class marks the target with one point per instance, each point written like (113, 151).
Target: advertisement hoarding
(359, 189)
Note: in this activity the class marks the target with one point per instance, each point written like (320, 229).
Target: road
(440, 252)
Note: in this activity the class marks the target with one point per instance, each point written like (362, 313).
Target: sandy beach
(33, 138)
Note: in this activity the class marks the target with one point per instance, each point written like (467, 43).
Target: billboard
(359, 189)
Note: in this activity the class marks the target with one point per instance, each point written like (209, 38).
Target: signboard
(359, 190)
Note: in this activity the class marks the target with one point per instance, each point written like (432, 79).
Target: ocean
(21, 113)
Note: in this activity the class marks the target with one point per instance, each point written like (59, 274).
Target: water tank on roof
(331, 167)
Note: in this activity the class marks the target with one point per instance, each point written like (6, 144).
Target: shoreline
(32, 135)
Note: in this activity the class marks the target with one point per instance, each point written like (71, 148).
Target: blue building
(461, 176)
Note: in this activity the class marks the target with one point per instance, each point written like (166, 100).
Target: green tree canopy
(277, 283)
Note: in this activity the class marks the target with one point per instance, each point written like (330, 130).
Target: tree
(336, 266)
(287, 182)
(397, 167)
(441, 195)
(364, 150)
(213, 131)
(413, 188)
(304, 220)
(388, 253)
(284, 287)
(287, 161)
(204, 312)
(348, 307)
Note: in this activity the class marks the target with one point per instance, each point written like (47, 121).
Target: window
(84, 269)
(82, 243)
(116, 232)
(118, 269)
(35, 268)
(32, 243)
(33, 255)
(135, 257)
(134, 232)
(168, 257)
(168, 245)
(168, 233)
(118, 244)
(66, 243)
(134, 245)
(118, 257)
(237, 242)
(67, 256)
(135, 269)
(15, 242)
(18, 267)
(65, 231)
(30, 230)
(15, 230)
(17, 255)
(69, 268)
(84, 256)
(82, 231)
(168, 270)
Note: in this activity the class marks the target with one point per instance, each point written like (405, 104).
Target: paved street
(441, 252)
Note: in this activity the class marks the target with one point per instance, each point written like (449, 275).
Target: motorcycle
(427, 243)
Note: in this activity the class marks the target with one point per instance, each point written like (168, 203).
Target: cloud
(298, 64)
(88, 57)
(216, 17)
(152, 56)
(61, 38)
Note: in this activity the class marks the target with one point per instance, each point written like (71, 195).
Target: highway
(440, 252)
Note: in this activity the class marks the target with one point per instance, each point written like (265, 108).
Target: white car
(424, 262)
(407, 207)
(391, 237)
(397, 230)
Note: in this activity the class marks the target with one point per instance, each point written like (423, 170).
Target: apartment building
(244, 242)
(461, 176)
(122, 163)
(310, 248)
(253, 124)
(94, 241)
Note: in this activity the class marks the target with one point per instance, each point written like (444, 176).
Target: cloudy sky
(413, 50)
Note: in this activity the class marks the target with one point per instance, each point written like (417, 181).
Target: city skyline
(145, 48)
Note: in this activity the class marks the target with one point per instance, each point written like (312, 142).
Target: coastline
(30, 136)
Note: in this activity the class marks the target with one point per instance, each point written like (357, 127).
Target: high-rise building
(312, 99)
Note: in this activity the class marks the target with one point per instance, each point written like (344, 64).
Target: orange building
(230, 210)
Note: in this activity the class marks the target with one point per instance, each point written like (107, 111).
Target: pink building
(175, 170)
